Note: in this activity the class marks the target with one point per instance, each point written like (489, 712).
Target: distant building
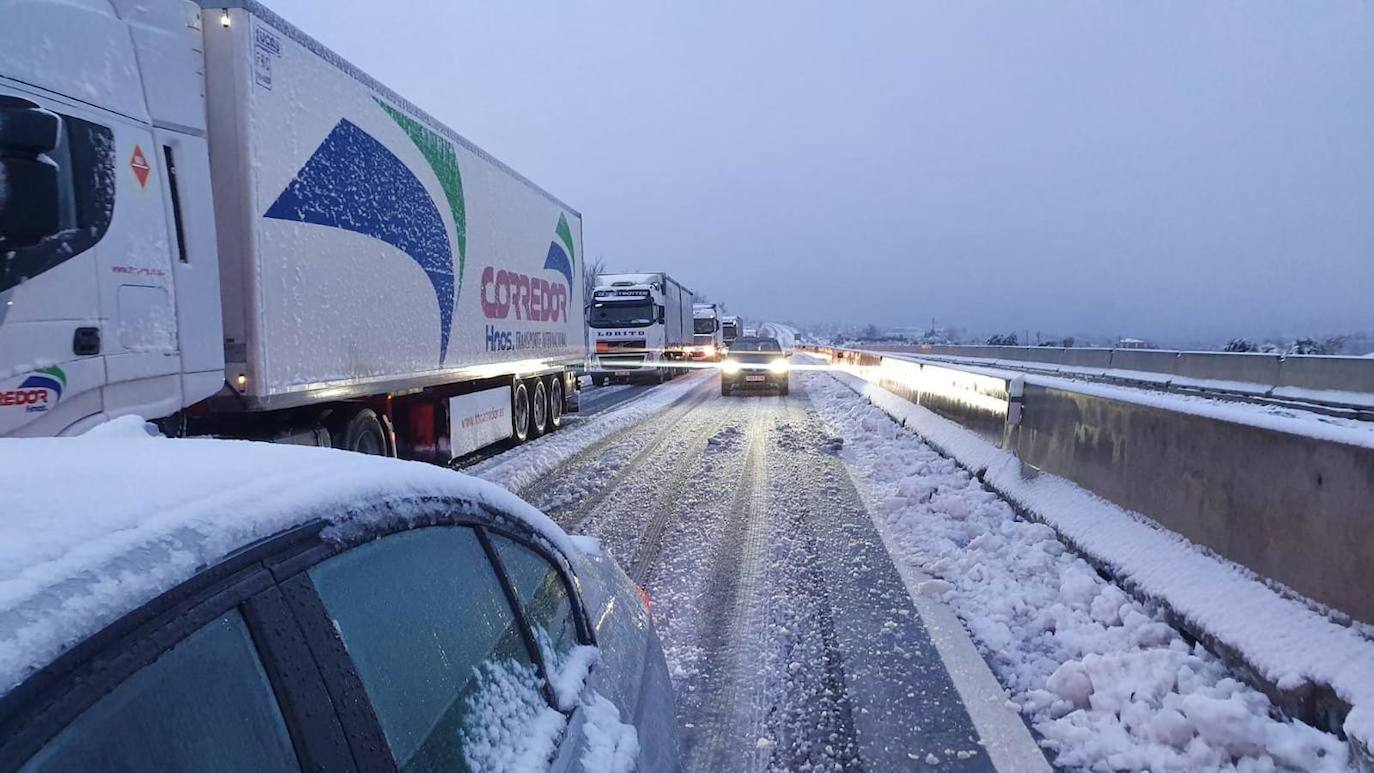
(1133, 343)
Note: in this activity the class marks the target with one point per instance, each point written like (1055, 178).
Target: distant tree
(871, 332)
(589, 273)
(1240, 345)
(1332, 345)
(1009, 339)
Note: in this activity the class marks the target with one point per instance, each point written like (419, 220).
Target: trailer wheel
(520, 412)
(555, 402)
(361, 432)
(539, 409)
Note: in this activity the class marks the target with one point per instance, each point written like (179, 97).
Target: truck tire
(520, 412)
(598, 381)
(555, 402)
(724, 388)
(361, 431)
(783, 388)
(539, 408)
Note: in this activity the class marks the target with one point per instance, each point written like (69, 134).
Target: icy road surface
(796, 642)
(793, 641)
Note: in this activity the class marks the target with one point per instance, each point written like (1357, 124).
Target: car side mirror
(29, 197)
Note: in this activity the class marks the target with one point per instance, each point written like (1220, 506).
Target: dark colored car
(220, 605)
(754, 363)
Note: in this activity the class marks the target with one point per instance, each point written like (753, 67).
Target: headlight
(709, 350)
(778, 366)
(729, 366)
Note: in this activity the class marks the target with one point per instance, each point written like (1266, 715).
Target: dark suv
(754, 363)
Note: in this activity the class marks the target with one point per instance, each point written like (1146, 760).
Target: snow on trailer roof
(95, 526)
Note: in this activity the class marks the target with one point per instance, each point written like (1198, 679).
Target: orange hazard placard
(139, 164)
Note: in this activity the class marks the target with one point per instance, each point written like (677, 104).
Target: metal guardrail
(1341, 386)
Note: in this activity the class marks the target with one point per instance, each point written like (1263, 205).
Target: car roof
(95, 526)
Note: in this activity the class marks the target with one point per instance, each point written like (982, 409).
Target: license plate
(755, 378)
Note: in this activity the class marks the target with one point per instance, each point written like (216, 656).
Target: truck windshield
(621, 315)
(728, 330)
(704, 326)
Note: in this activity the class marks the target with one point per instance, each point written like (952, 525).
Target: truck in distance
(247, 236)
(729, 330)
(640, 327)
(706, 334)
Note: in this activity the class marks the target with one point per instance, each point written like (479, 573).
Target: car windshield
(621, 315)
(755, 345)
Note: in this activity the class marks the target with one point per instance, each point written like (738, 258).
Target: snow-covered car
(199, 604)
(754, 363)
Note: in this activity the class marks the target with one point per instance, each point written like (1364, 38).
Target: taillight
(644, 597)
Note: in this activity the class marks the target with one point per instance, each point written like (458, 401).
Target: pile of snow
(1105, 681)
(507, 724)
(611, 746)
(518, 468)
(97, 525)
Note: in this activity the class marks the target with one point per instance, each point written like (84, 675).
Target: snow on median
(1105, 681)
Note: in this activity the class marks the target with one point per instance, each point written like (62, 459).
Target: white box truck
(707, 342)
(729, 330)
(640, 327)
(211, 220)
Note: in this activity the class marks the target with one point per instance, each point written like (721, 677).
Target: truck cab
(706, 332)
(629, 326)
(729, 331)
(103, 129)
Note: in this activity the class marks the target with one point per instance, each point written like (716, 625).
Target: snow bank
(94, 526)
(518, 468)
(1106, 681)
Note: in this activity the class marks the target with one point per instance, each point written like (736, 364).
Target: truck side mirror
(660, 315)
(29, 198)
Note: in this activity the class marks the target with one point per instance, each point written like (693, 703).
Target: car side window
(549, 610)
(424, 617)
(204, 705)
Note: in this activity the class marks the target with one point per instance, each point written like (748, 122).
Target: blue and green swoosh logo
(355, 183)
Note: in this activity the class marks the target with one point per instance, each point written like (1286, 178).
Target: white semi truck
(209, 219)
(640, 327)
(729, 329)
(707, 341)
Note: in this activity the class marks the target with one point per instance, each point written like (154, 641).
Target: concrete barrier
(1155, 366)
(1251, 374)
(1098, 360)
(1292, 508)
(1343, 380)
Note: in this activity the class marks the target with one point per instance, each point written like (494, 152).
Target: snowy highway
(834, 594)
(793, 640)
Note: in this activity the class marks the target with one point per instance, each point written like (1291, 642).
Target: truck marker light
(224, 18)
(242, 381)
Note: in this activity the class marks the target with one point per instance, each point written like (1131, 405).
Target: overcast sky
(1163, 169)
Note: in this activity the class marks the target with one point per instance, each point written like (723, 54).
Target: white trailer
(230, 229)
(641, 326)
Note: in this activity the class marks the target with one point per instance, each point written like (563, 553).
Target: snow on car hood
(94, 526)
